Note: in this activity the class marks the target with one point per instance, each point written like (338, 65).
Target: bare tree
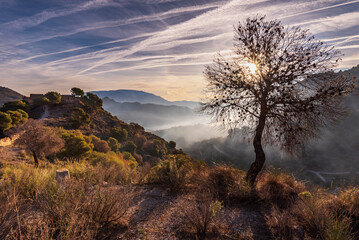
(38, 140)
(279, 82)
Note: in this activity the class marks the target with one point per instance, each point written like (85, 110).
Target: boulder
(62, 175)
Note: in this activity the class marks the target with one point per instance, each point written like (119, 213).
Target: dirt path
(155, 214)
(46, 113)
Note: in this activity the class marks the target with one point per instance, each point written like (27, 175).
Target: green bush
(76, 146)
(174, 172)
(24, 114)
(5, 121)
(156, 148)
(132, 163)
(113, 144)
(80, 118)
(130, 147)
(172, 144)
(119, 133)
(54, 97)
(106, 159)
(16, 117)
(93, 100)
(77, 92)
(15, 105)
(41, 101)
(99, 144)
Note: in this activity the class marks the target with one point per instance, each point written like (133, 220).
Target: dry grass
(34, 207)
(93, 204)
(200, 216)
(279, 188)
(228, 184)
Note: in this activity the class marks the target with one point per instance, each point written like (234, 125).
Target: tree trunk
(35, 159)
(257, 165)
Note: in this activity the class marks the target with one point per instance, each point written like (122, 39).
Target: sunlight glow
(252, 67)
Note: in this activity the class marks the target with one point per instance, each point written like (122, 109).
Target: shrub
(201, 214)
(79, 212)
(15, 105)
(318, 220)
(228, 184)
(24, 114)
(281, 223)
(54, 97)
(16, 117)
(172, 144)
(99, 145)
(77, 92)
(5, 122)
(132, 163)
(80, 118)
(119, 133)
(41, 101)
(130, 147)
(76, 146)
(174, 172)
(140, 140)
(108, 159)
(156, 148)
(279, 188)
(93, 100)
(113, 144)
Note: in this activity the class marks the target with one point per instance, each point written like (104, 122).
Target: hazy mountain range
(123, 95)
(7, 95)
(153, 116)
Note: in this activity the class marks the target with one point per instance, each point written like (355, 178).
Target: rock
(62, 175)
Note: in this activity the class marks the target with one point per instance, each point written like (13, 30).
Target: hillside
(7, 95)
(133, 96)
(115, 194)
(152, 116)
(132, 137)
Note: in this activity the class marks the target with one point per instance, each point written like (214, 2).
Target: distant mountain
(152, 116)
(132, 96)
(7, 95)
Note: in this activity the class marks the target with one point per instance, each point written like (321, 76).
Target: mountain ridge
(7, 95)
(130, 96)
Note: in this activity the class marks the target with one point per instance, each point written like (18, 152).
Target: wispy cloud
(150, 43)
(48, 14)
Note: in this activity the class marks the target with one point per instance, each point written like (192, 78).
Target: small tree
(172, 144)
(280, 83)
(119, 133)
(80, 118)
(99, 144)
(93, 100)
(130, 147)
(15, 105)
(24, 114)
(156, 148)
(113, 144)
(54, 97)
(76, 146)
(77, 92)
(38, 140)
(42, 101)
(5, 122)
(139, 140)
(16, 117)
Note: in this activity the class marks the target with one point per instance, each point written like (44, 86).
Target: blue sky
(159, 46)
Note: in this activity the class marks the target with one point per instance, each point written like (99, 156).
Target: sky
(158, 46)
